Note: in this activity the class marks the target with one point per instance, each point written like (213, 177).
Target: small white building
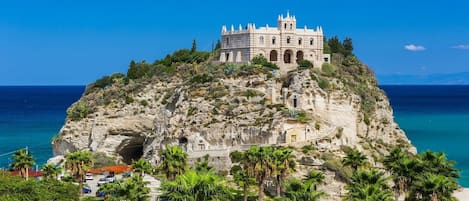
(283, 45)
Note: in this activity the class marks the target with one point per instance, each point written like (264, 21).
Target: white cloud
(461, 47)
(414, 48)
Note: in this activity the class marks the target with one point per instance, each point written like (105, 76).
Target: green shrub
(317, 126)
(250, 93)
(328, 69)
(262, 61)
(78, 111)
(191, 111)
(259, 60)
(144, 103)
(323, 84)
(200, 79)
(271, 66)
(305, 64)
(307, 148)
(230, 68)
(105, 81)
(302, 117)
(129, 100)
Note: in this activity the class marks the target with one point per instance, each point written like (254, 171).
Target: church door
(287, 56)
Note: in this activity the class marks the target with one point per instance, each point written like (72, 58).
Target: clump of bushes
(200, 79)
(129, 99)
(303, 64)
(328, 69)
(78, 111)
(302, 117)
(323, 84)
(250, 93)
(262, 61)
(105, 81)
(307, 148)
(144, 103)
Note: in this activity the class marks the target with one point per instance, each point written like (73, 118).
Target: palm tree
(370, 186)
(79, 163)
(260, 166)
(429, 186)
(437, 163)
(51, 171)
(354, 159)
(403, 170)
(370, 192)
(313, 178)
(202, 164)
(130, 189)
(240, 172)
(141, 167)
(300, 191)
(136, 190)
(173, 162)
(284, 163)
(22, 161)
(195, 186)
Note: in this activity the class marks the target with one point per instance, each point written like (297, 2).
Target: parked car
(100, 194)
(127, 174)
(102, 181)
(110, 178)
(86, 190)
(89, 176)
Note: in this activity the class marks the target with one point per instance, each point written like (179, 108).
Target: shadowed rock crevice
(131, 149)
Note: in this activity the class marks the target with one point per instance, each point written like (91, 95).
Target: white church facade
(284, 45)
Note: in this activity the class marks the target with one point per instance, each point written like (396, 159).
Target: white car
(102, 181)
(110, 178)
(89, 176)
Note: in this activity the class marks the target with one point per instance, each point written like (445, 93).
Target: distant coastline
(461, 78)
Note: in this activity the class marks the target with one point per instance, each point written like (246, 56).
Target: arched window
(273, 40)
(227, 41)
(273, 55)
(299, 41)
(311, 41)
(285, 26)
(291, 26)
(288, 40)
(261, 40)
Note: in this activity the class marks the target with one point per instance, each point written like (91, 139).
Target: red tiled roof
(31, 173)
(116, 169)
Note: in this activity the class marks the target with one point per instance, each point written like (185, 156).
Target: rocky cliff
(215, 109)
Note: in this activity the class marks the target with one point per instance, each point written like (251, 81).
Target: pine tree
(194, 46)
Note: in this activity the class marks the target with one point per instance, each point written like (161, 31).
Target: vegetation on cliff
(191, 71)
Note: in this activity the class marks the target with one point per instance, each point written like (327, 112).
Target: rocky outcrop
(233, 113)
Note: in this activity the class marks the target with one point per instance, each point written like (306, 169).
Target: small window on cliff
(183, 140)
(295, 101)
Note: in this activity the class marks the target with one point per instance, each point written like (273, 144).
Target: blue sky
(67, 42)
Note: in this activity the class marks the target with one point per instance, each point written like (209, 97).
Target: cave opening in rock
(131, 149)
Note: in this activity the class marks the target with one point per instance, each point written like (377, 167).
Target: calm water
(434, 117)
(30, 116)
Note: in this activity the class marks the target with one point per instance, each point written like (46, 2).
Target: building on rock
(284, 45)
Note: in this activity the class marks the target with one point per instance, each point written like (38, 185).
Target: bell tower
(287, 24)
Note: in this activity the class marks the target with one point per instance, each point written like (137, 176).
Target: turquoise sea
(436, 118)
(433, 117)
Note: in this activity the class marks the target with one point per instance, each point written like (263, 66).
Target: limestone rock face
(230, 114)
